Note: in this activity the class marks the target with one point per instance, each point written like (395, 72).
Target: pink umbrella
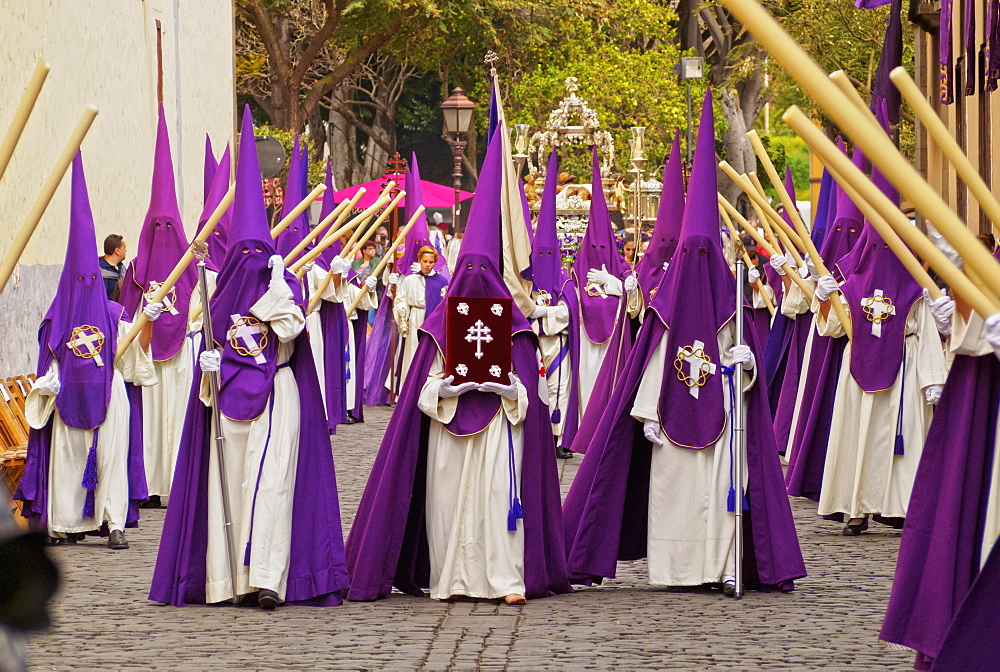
(435, 195)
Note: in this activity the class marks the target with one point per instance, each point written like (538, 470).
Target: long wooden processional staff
(200, 250)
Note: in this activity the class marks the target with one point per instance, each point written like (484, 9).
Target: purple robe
(382, 342)
(971, 640)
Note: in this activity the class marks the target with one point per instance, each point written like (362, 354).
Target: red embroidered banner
(478, 339)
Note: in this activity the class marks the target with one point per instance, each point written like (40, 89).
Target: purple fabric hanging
(946, 64)
(992, 53)
(971, 55)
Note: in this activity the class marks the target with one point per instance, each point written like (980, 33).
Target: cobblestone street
(103, 620)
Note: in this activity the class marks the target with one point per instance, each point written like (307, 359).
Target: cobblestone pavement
(830, 622)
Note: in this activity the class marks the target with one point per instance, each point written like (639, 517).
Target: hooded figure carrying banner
(81, 475)
(657, 478)
(463, 497)
(282, 490)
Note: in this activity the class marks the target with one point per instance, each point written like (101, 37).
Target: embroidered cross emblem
(168, 301)
(478, 334)
(878, 308)
(241, 337)
(700, 366)
(87, 342)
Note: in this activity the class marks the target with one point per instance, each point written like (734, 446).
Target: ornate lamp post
(687, 69)
(457, 110)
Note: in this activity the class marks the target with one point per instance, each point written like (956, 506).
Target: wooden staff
(876, 145)
(781, 236)
(793, 213)
(956, 157)
(45, 196)
(384, 195)
(329, 239)
(22, 113)
(297, 210)
(339, 214)
(349, 252)
(759, 285)
(385, 257)
(179, 269)
(760, 201)
(791, 272)
(837, 162)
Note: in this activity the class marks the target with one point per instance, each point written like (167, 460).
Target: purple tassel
(90, 479)
(898, 449)
(556, 416)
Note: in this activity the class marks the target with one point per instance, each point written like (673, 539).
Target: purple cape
(218, 241)
(606, 510)
(939, 552)
(382, 342)
(359, 332)
(971, 640)
(296, 188)
(333, 327)
(317, 574)
(419, 236)
(162, 242)
(666, 231)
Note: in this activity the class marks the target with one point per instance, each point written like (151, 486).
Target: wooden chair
(13, 437)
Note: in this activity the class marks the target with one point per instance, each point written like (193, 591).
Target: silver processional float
(200, 250)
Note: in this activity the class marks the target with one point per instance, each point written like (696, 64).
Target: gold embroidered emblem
(168, 301)
(241, 337)
(700, 366)
(86, 342)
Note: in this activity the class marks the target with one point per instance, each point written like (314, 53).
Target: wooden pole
(876, 145)
(332, 237)
(793, 213)
(781, 234)
(339, 214)
(956, 157)
(759, 285)
(791, 272)
(756, 197)
(297, 210)
(384, 195)
(911, 235)
(385, 257)
(179, 269)
(45, 196)
(22, 113)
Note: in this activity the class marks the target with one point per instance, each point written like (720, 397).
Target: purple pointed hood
(546, 259)
(667, 229)
(419, 235)
(477, 274)
(296, 189)
(246, 375)
(847, 223)
(162, 242)
(598, 249)
(81, 321)
(220, 235)
(333, 250)
(696, 300)
(210, 168)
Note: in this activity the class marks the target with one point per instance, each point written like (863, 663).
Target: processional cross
(479, 333)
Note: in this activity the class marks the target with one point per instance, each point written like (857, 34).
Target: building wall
(104, 52)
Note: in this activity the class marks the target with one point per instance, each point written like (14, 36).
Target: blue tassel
(556, 416)
(511, 520)
(246, 556)
(90, 479)
(731, 501)
(746, 506)
(518, 511)
(898, 449)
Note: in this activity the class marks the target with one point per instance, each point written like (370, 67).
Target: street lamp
(688, 68)
(457, 111)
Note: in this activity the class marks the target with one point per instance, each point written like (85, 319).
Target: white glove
(811, 267)
(277, 266)
(741, 355)
(306, 268)
(942, 309)
(944, 246)
(394, 278)
(651, 430)
(415, 267)
(539, 312)
(826, 286)
(448, 390)
(599, 277)
(777, 261)
(340, 266)
(932, 393)
(505, 391)
(666, 264)
(371, 282)
(152, 311)
(48, 385)
(753, 275)
(631, 283)
(210, 361)
(993, 332)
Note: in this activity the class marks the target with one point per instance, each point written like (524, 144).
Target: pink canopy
(435, 195)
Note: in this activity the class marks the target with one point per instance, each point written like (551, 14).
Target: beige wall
(104, 52)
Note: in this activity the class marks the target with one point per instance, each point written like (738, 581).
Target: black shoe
(856, 529)
(729, 588)
(563, 454)
(267, 599)
(117, 540)
(350, 420)
(152, 503)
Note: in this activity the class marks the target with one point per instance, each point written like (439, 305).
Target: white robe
(468, 496)
(314, 323)
(690, 532)
(592, 354)
(69, 448)
(164, 407)
(862, 475)
(261, 459)
(369, 301)
(553, 330)
(409, 311)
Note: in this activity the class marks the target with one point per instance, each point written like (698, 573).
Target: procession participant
(162, 242)
(656, 481)
(891, 376)
(556, 320)
(953, 518)
(296, 189)
(357, 337)
(217, 241)
(417, 295)
(420, 235)
(382, 344)
(80, 476)
(282, 491)
(113, 264)
(760, 320)
(472, 465)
